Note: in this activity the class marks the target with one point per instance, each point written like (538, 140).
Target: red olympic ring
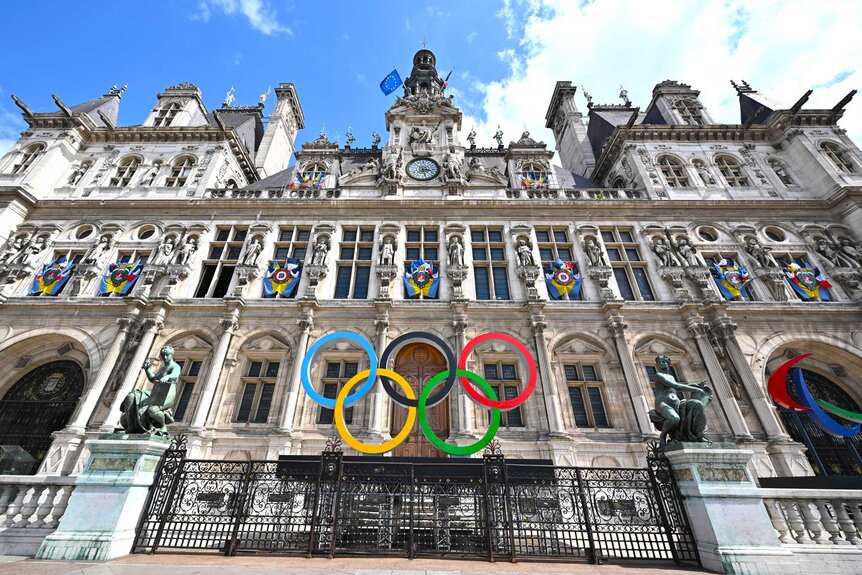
(499, 404)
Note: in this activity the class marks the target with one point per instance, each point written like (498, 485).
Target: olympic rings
(386, 445)
(450, 361)
(305, 371)
(525, 353)
(439, 443)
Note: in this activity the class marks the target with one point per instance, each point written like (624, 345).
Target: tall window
(336, 375)
(689, 111)
(422, 242)
(190, 370)
(292, 242)
(180, 172)
(354, 263)
(838, 157)
(27, 158)
(651, 372)
(125, 172)
(166, 114)
(731, 171)
(129, 256)
(585, 384)
(258, 388)
(503, 377)
(629, 267)
(489, 263)
(785, 258)
(220, 262)
(554, 244)
(673, 172)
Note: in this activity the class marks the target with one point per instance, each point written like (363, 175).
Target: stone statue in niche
(452, 167)
(252, 252)
(594, 253)
(781, 172)
(525, 253)
(827, 250)
(759, 253)
(677, 418)
(187, 251)
(421, 135)
(164, 253)
(664, 253)
(95, 256)
(32, 247)
(703, 173)
(456, 252)
(78, 173)
(387, 252)
(851, 249)
(18, 245)
(151, 175)
(687, 252)
(393, 167)
(152, 411)
(321, 249)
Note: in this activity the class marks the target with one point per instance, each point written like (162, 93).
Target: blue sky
(506, 54)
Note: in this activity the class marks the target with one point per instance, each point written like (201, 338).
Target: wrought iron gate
(493, 508)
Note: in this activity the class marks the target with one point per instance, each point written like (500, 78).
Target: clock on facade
(423, 169)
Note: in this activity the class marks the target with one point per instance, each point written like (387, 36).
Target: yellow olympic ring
(386, 445)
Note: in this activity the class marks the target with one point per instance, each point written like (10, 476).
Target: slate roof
(276, 181)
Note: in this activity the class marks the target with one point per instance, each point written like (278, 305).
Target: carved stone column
(602, 274)
(151, 327)
(84, 410)
(775, 281)
(244, 274)
(675, 276)
(851, 279)
(174, 273)
(377, 405)
(549, 386)
(457, 275)
(702, 277)
(288, 410)
(315, 273)
(385, 274)
(463, 424)
(81, 275)
(229, 326)
(723, 393)
(529, 274)
(640, 405)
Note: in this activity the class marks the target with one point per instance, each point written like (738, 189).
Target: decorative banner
(807, 281)
(534, 180)
(731, 279)
(282, 281)
(53, 277)
(421, 279)
(816, 408)
(121, 277)
(313, 180)
(563, 278)
(416, 407)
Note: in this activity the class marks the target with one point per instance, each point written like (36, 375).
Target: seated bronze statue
(152, 411)
(677, 418)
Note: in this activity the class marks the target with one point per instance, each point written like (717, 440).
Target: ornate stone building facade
(643, 205)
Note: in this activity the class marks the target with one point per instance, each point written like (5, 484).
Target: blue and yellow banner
(807, 281)
(121, 277)
(282, 281)
(421, 279)
(53, 277)
(563, 278)
(731, 279)
(314, 180)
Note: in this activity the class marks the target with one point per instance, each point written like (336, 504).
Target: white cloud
(407, 26)
(237, 59)
(11, 124)
(780, 48)
(471, 36)
(260, 14)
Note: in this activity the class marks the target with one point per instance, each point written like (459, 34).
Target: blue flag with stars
(391, 82)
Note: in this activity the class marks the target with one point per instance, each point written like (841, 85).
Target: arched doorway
(419, 362)
(827, 454)
(40, 403)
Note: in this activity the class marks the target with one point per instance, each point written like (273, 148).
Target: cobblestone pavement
(189, 564)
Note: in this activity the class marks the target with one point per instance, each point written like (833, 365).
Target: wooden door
(419, 362)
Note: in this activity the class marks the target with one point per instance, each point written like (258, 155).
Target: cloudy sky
(504, 56)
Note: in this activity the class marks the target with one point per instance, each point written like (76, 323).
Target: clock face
(423, 169)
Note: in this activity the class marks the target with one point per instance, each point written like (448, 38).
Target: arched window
(673, 172)
(231, 184)
(534, 176)
(619, 183)
(180, 172)
(781, 172)
(313, 175)
(838, 157)
(27, 158)
(166, 114)
(731, 171)
(40, 403)
(258, 390)
(125, 172)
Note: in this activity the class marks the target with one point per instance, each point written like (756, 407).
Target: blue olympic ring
(305, 372)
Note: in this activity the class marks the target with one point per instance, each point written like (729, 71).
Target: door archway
(40, 403)
(419, 362)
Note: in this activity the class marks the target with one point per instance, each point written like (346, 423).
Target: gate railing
(490, 508)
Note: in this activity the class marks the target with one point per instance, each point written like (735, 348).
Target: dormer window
(125, 172)
(165, 115)
(27, 158)
(838, 157)
(180, 172)
(690, 112)
(534, 176)
(732, 172)
(673, 172)
(313, 176)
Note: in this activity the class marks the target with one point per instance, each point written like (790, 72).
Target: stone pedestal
(103, 512)
(731, 526)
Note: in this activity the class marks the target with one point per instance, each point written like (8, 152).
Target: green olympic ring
(439, 443)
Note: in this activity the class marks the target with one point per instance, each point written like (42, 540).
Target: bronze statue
(151, 411)
(676, 417)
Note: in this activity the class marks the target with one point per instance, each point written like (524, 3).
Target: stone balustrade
(815, 516)
(30, 509)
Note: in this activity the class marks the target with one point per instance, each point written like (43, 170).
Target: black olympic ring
(450, 359)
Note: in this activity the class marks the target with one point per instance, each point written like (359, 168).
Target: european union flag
(391, 82)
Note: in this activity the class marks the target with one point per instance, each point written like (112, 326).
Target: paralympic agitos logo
(817, 409)
(416, 407)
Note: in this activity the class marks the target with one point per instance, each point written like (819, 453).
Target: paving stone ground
(194, 564)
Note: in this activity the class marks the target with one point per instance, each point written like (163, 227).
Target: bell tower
(423, 76)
